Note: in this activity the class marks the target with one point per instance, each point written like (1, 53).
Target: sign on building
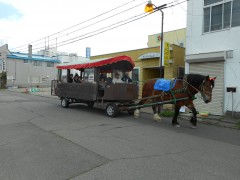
(166, 53)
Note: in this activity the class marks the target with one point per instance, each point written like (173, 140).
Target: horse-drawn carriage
(124, 96)
(92, 90)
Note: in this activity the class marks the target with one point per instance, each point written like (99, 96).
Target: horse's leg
(137, 111)
(176, 113)
(156, 116)
(194, 117)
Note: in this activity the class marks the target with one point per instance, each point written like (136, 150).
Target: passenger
(80, 79)
(76, 78)
(126, 78)
(103, 77)
(71, 78)
(116, 78)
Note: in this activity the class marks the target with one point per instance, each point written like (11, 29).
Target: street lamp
(149, 8)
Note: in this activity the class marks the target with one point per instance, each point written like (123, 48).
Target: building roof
(35, 57)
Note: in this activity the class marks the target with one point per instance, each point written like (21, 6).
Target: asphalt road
(41, 140)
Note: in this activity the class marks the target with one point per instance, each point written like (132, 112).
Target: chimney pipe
(29, 51)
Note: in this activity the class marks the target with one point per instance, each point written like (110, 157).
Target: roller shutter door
(213, 69)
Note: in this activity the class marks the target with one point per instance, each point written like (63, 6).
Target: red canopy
(124, 63)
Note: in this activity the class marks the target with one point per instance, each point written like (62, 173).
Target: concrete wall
(222, 40)
(177, 37)
(26, 74)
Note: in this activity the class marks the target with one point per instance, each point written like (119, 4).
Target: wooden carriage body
(96, 91)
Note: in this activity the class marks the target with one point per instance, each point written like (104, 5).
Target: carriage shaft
(157, 103)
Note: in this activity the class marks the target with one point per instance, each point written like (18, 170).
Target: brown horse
(184, 87)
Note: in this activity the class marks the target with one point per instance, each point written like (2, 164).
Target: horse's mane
(195, 79)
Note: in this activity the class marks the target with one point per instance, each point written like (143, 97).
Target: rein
(201, 88)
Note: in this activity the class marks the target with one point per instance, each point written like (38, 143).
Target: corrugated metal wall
(213, 69)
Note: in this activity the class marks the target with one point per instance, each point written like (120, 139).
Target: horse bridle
(202, 89)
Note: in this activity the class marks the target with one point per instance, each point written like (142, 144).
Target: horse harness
(185, 90)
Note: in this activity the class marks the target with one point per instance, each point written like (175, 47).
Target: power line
(87, 26)
(80, 23)
(104, 29)
(101, 30)
(66, 42)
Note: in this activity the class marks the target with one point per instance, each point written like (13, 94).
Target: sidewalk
(43, 92)
(223, 121)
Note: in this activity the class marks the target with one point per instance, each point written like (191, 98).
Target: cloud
(9, 12)
(39, 19)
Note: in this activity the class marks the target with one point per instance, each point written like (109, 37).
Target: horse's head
(206, 89)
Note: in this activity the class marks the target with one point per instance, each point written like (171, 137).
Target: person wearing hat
(126, 78)
(116, 78)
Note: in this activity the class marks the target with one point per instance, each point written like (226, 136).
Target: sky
(41, 23)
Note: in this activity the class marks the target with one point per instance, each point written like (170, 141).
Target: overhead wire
(101, 30)
(87, 26)
(118, 7)
(116, 26)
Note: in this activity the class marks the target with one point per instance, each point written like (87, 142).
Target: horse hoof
(136, 114)
(156, 118)
(177, 126)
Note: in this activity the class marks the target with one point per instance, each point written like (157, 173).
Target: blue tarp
(164, 85)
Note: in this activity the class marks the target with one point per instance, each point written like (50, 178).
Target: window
(206, 19)
(37, 63)
(4, 66)
(135, 75)
(227, 15)
(27, 61)
(50, 64)
(207, 2)
(216, 18)
(236, 13)
(220, 14)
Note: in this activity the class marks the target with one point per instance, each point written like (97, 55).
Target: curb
(210, 121)
(221, 123)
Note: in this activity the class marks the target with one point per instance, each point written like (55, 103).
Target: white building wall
(71, 58)
(223, 40)
(28, 75)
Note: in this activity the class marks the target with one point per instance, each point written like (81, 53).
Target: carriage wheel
(111, 110)
(90, 104)
(64, 103)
